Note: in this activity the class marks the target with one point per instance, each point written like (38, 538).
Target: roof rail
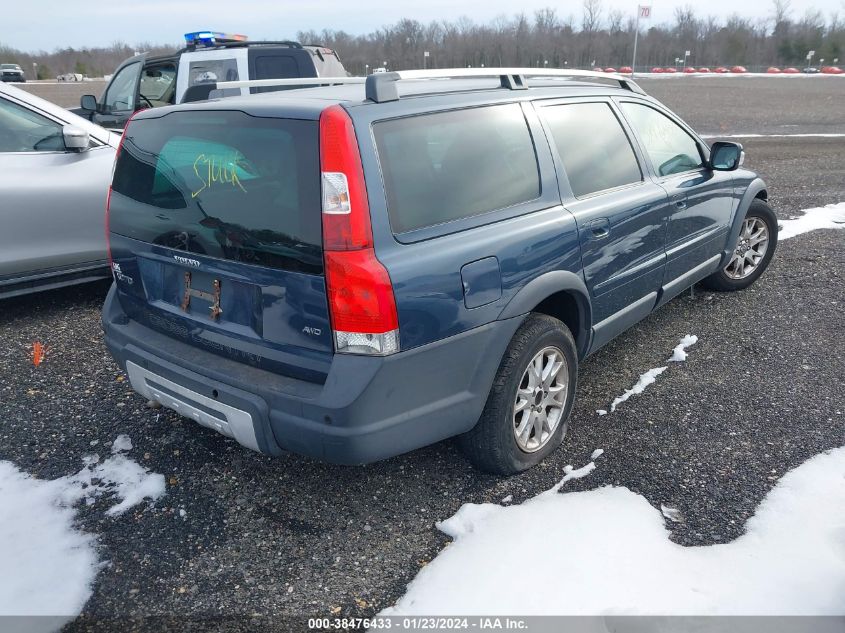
(294, 81)
(245, 44)
(381, 87)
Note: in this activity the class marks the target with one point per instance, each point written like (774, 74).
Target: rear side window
(222, 184)
(209, 71)
(275, 67)
(453, 165)
(267, 65)
(594, 149)
(670, 148)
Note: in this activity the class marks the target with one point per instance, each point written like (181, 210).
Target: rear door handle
(599, 229)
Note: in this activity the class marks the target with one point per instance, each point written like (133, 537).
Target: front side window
(121, 94)
(452, 165)
(669, 147)
(22, 130)
(592, 146)
(157, 85)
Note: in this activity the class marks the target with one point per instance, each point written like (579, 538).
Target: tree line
(598, 36)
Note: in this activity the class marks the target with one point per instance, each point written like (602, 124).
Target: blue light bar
(210, 38)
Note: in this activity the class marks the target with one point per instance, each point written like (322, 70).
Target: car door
(121, 97)
(701, 199)
(53, 200)
(621, 214)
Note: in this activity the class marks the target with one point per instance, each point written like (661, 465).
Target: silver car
(55, 172)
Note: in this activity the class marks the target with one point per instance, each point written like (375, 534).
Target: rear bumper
(369, 408)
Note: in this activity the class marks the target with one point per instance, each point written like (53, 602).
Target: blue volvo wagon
(354, 271)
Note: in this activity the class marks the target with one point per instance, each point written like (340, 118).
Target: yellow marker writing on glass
(215, 169)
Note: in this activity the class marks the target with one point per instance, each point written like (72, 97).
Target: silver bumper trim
(229, 421)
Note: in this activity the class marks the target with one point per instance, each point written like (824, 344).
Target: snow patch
(609, 553)
(571, 473)
(597, 453)
(831, 216)
(122, 443)
(48, 564)
(679, 354)
(796, 135)
(645, 380)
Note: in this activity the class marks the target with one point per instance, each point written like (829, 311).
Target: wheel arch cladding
(756, 191)
(562, 295)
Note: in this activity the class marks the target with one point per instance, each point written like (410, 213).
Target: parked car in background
(482, 231)
(11, 73)
(71, 77)
(56, 169)
(191, 74)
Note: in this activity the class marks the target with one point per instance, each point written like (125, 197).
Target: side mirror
(76, 139)
(725, 156)
(88, 102)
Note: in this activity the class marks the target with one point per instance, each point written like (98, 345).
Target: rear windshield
(223, 184)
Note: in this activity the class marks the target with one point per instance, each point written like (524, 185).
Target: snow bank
(607, 552)
(47, 565)
(831, 216)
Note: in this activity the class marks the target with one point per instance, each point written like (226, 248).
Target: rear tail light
(108, 231)
(361, 301)
(108, 197)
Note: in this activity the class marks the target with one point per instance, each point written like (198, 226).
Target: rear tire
(527, 412)
(748, 260)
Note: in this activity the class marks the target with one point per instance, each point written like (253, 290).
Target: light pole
(686, 54)
(643, 11)
(35, 70)
(425, 59)
(366, 69)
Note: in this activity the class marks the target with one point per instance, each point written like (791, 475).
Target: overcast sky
(32, 25)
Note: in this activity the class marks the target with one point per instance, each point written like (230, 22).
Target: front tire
(527, 412)
(753, 250)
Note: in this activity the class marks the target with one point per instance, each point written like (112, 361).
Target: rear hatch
(215, 229)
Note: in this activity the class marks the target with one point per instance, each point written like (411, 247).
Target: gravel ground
(760, 393)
